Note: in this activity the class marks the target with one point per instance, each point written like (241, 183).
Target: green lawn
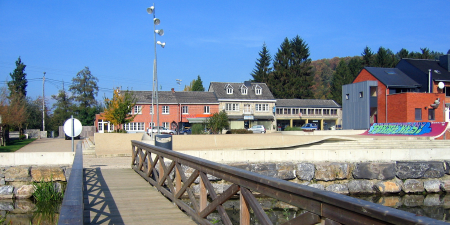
(15, 144)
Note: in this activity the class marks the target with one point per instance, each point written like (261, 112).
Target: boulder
(360, 187)
(6, 192)
(286, 170)
(6, 205)
(386, 187)
(26, 191)
(318, 186)
(267, 169)
(432, 186)
(413, 186)
(18, 173)
(46, 174)
(305, 171)
(445, 185)
(338, 188)
(332, 171)
(379, 171)
(417, 170)
(218, 188)
(447, 167)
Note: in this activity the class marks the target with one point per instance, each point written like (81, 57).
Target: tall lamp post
(156, 21)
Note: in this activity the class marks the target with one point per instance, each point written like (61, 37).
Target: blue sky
(218, 40)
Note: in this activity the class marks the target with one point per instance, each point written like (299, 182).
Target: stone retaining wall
(355, 178)
(17, 181)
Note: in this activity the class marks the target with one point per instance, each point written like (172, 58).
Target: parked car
(309, 127)
(163, 130)
(258, 129)
(186, 131)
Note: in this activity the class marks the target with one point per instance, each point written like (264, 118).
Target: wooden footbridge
(124, 196)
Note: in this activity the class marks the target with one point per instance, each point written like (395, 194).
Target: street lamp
(156, 21)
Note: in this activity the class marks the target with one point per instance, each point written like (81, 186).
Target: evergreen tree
(448, 52)
(84, 89)
(403, 53)
(341, 77)
(355, 66)
(17, 86)
(383, 58)
(198, 85)
(62, 108)
(292, 76)
(262, 70)
(367, 55)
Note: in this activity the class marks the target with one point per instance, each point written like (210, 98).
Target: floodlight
(156, 21)
(150, 9)
(162, 44)
(160, 32)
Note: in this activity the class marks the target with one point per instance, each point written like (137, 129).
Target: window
(334, 112)
(151, 124)
(165, 125)
(232, 107)
(373, 91)
(431, 114)
(262, 107)
(100, 126)
(303, 111)
(151, 109)
(326, 112)
(258, 90)
(229, 89)
(310, 111)
(318, 111)
(165, 109)
(184, 109)
(244, 90)
(447, 91)
(137, 126)
(137, 109)
(206, 109)
(418, 113)
(361, 94)
(347, 96)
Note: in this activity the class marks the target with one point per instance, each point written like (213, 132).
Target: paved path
(49, 145)
(121, 196)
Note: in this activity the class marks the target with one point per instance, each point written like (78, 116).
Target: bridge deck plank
(120, 196)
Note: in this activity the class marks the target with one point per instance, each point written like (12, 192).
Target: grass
(15, 144)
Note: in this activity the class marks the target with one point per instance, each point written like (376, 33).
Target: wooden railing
(322, 206)
(73, 205)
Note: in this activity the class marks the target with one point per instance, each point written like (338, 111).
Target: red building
(176, 110)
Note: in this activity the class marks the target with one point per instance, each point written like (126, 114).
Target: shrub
(293, 129)
(22, 137)
(241, 131)
(197, 129)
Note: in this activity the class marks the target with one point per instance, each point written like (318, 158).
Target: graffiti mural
(418, 128)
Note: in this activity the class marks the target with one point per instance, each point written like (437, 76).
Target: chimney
(173, 90)
(444, 61)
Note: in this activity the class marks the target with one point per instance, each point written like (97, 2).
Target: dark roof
(392, 77)
(438, 72)
(196, 97)
(307, 103)
(169, 97)
(220, 89)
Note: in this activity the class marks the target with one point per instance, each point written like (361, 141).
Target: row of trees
(292, 74)
(19, 111)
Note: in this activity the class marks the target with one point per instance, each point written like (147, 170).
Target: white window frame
(262, 107)
(244, 90)
(229, 89)
(137, 109)
(185, 109)
(134, 126)
(258, 90)
(165, 109)
(232, 107)
(166, 125)
(151, 109)
(151, 125)
(206, 109)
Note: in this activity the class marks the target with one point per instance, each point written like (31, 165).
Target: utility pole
(43, 103)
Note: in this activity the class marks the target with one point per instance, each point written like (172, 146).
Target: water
(26, 212)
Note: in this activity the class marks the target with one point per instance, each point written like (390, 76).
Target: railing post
(177, 180)
(161, 171)
(244, 211)
(203, 195)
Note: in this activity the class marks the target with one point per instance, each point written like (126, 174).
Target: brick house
(176, 110)
(246, 104)
(388, 95)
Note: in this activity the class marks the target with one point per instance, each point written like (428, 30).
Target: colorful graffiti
(419, 128)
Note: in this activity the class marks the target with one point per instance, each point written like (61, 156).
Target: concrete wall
(36, 158)
(114, 144)
(87, 131)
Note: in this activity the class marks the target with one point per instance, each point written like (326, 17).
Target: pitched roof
(307, 103)
(392, 77)
(220, 89)
(438, 72)
(169, 97)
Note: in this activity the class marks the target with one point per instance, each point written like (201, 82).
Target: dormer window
(258, 90)
(244, 90)
(229, 89)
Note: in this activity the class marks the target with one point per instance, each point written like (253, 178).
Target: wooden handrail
(73, 206)
(321, 205)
